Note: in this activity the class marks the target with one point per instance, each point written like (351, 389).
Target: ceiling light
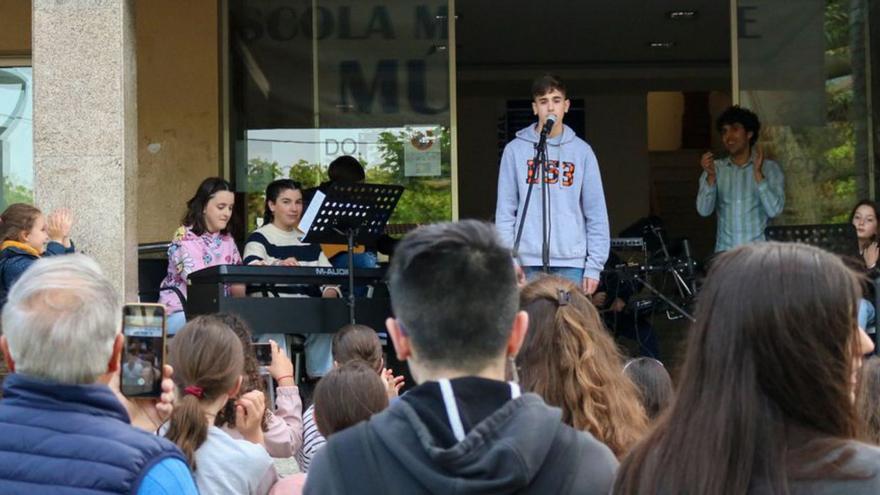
(679, 15)
(661, 44)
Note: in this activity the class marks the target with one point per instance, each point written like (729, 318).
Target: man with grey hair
(62, 429)
(463, 429)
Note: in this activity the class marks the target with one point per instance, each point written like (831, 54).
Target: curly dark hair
(743, 116)
(252, 378)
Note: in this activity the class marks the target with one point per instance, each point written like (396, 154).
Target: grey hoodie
(522, 447)
(579, 221)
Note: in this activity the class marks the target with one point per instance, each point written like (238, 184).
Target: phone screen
(143, 326)
(263, 350)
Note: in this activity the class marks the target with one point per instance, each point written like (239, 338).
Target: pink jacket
(189, 253)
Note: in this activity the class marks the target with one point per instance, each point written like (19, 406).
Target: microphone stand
(540, 160)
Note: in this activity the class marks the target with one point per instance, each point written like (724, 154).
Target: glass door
(313, 80)
(802, 67)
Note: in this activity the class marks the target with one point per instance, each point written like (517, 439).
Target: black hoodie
(514, 446)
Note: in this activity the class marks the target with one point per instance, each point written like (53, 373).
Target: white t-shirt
(225, 465)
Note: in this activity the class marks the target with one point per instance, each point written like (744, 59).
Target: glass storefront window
(16, 136)
(803, 70)
(315, 80)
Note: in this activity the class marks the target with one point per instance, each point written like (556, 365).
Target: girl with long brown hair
(208, 363)
(765, 396)
(569, 359)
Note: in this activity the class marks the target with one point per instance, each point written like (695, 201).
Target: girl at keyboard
(279, 242)
(202, 241)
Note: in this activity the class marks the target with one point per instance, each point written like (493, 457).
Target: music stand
(838, 238)
(350, 214)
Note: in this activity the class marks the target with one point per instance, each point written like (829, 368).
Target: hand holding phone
(281, 368)
(143, 354)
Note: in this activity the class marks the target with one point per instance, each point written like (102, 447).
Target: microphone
(549, 123)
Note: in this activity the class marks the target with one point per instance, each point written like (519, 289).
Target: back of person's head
(353, 342)
(453, 291)
(195, 207)
(347, 395)
(570, 360)
(769, 367)
(17, 220)
(208, 361)
(547, 83)
(273, 190)
(61, 320)
(346, 169)
(743, 116)
(653, 382)
(868, 402)
(252, 379)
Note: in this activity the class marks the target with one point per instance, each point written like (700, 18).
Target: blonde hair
(570, 360)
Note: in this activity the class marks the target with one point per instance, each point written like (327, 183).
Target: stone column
(85, 127)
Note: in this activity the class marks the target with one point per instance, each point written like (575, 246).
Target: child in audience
(864, 219)
(347, 395)
(350, 343)
(868, 402)
(202, 241)
(208, 363)
(570, 360)
(26, 235)
(653, 382)
(279, 242)
(765, 401)
(282, 428)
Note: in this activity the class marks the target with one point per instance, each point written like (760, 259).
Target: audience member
(868, 401)
(463, 429)
(282, 428)
(653, 382)
(864, 219)
(766, 394)
(25, 236)
(279, 242)
(208, 363)
(202, 241)
(347, 395)
(63, 429)
(350, 343)
(570, 360)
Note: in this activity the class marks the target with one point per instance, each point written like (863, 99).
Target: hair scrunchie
(195, 390)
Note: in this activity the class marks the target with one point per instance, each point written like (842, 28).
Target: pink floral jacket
(189, 253)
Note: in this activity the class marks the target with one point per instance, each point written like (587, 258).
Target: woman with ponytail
(569, 359)
(208, 363)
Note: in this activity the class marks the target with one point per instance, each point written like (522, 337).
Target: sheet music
(314, 207)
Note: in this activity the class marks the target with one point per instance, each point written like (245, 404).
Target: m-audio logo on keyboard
(340, 272)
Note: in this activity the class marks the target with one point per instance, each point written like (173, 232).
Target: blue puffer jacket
(71, 439)
(15, 260)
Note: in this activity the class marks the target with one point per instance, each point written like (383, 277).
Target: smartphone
(263, 350)
(143, 354)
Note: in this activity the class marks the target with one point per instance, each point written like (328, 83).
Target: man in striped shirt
(745, 188)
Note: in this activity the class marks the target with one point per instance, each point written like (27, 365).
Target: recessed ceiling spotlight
(661, 44)
(679, 15)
